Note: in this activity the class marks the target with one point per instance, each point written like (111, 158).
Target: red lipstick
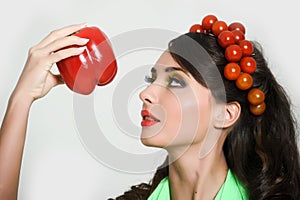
(148, 119)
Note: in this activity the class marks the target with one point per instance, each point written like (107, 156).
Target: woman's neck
(194, 178)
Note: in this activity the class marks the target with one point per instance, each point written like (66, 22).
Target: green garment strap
(231, 189)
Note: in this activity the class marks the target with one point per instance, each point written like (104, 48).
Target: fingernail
(81, 49)
(82, 25)
(84, 40)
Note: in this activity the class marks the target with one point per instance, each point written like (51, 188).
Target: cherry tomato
(238, 35)
(208, 21)
(244, 81)
(237, 26)
(232, 71)
(248, 65)
(197, 28)
(247, 47)
(226, 38)
(256, 96)
(233, 53)
(218, 27)
(258, 109)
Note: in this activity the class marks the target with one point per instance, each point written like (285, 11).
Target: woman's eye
(175, 82)
(149, 79)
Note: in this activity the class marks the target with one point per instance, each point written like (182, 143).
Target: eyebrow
(171, 69)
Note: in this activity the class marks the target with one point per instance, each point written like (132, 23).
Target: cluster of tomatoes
(238, 52)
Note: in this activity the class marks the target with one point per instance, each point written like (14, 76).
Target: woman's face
(176, 108)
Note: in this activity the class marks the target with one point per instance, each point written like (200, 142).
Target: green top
(231, 189)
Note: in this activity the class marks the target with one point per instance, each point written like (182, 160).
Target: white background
(56, 165)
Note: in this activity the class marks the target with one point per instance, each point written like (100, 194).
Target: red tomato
(256, 96)
(232, 71)
(248, 65)
(225, 38)
(258, 109)
(244, 81)
(238, 35)
(95, 66)
(208, 21)
(218, 27)
(197, 28)
(233, 53)
(237, 26)
(246, 46)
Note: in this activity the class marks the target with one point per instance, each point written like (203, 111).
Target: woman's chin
(151, 142)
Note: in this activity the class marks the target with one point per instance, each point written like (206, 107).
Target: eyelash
(181, 82)
(149, 79)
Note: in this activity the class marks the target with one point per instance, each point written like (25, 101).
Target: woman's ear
(230, 116)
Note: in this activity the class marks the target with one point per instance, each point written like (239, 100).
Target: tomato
(226, 38)
(248, 65)
(95, 66)
(258, 109)
(233, 53)
(244, 81)
(208, 21)
(218, 27)
(238, 35)
(246, 46)
(256, 96)
(232, 71)
(197, 28)
(237, 26)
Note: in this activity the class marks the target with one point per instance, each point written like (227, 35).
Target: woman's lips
(148, 119)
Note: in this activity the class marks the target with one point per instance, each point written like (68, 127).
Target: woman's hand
(36, 79)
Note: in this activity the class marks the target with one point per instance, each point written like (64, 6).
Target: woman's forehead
(166, 60)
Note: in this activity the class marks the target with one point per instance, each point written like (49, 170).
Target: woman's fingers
(53, 80)
(61, 43)
(59, 33)
(65, 53)
(57, 51)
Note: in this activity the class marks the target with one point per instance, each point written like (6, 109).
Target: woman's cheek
(183, 116)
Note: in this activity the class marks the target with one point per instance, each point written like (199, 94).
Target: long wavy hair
(260, 150)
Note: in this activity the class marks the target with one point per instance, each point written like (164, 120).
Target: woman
(218, 148)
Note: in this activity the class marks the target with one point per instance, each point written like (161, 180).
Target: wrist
(18, 98)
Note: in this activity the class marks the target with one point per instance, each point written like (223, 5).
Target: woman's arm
(36, 81)
(12, 137)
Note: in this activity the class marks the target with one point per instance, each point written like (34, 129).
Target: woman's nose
(150, 94)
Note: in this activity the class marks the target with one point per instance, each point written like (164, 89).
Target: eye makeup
(175, 81)
(172, 80)
(149, 79)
